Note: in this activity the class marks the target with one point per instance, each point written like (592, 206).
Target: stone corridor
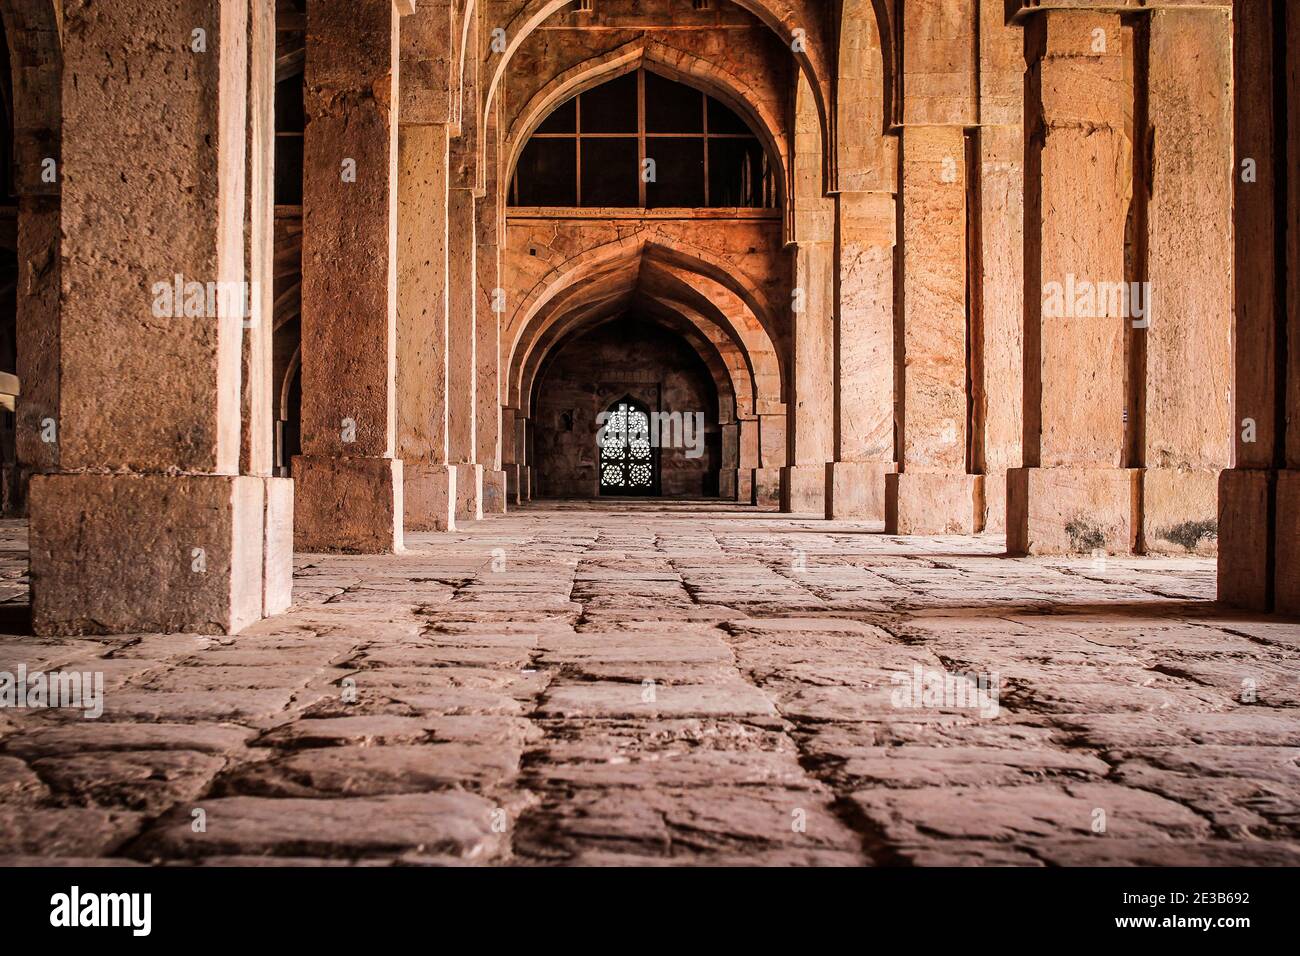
(656, 683)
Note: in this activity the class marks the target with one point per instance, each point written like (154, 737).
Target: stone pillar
(509, 462)
(462, 367)
(34, 52)
(37, 338)
(1074, 493)
(429, 482)
(729, 461)
(490, 306)
(803, 480)
(997, 288)
(489, 309)
(257, 433)
(748, 460)
(864, 357)
(810, 398)
(933, 493)
(150, 526)
(350, 484)
(1259, 497)
(771, 458)
(1287, 523)
(1187, 427)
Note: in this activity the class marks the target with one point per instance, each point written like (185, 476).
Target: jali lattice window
(626, 457)
(643, 140)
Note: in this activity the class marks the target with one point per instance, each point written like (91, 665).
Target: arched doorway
(627, 407)
(628, 461)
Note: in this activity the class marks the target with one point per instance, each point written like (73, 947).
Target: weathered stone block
(1180, 511)
(132, 553)
(767, 487)
(277, 546)
(494, 492)
(803, 488)
(348, 504)
(927, 503)
(727, 482)
(513, 496)
(745, 486)
(469, 492)
(995, 502)
(1243, 518)
(1286, 577)
(1072, 510)
(856, 489)
(429, 494)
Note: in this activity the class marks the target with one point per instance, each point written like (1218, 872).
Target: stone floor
(676, 683)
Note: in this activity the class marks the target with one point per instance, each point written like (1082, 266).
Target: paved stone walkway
(656, 684)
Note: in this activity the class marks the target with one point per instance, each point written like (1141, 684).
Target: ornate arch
(548, 301)
(802, 25)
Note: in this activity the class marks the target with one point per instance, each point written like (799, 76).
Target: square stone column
(429, 482)
(864, 357)
(803, 480)
(512, 428)
(150, 526)
(37, 337)
(462, 366)
(490, 309)
(933, 493)
(34, 52)
(1187, 427)
(809, 395)
(424, 156)
(771, 459)
(257, 444)
(998, 316)
(350, 483)
(1259, 497)
(997, 301)
(1074, 495)
(487, 322)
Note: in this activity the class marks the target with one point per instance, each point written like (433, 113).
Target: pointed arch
(606, 276)
(803, 26)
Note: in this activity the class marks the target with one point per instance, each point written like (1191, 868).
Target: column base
(803, 489)
(1072, 510)
(995, 501)
(1286, 564)
(928, 503)
(728, 482)
(525, 482)
(855, 490)
(745, 486)
(513, 495)
(114, 554)
(429, 496)
(767, 487)
(469, 492)
(277, 546)
(348, 504)
(494, 492)
(1244, 517)
(1180, 511)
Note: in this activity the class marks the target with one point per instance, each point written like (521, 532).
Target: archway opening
(626, 408)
